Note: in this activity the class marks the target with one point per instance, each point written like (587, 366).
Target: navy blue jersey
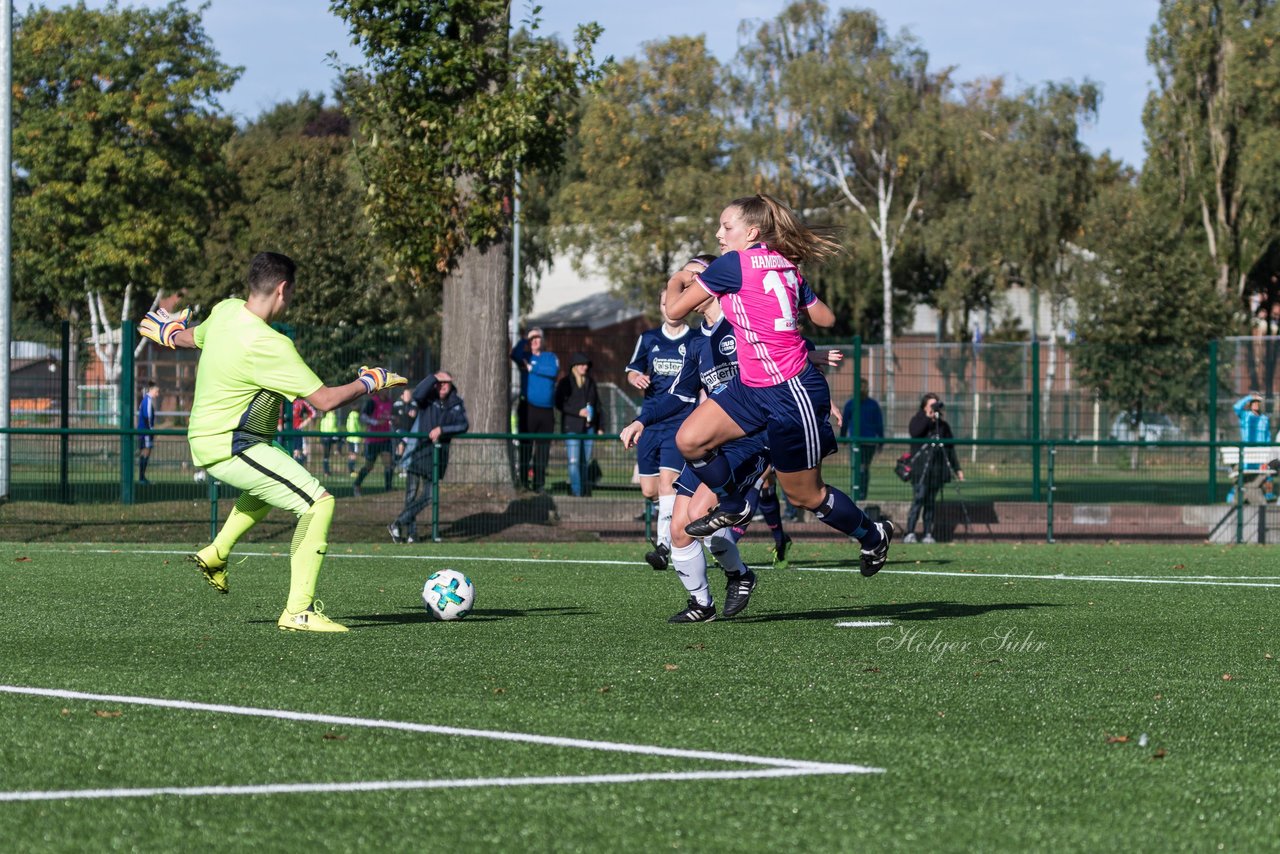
(673, 378)
(715, 352)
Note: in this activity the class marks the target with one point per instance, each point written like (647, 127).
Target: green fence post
(124, 400)
(64, 417)
(1053, 453)
(435, 492)
(1213, 421)
(1035, 420)
(855, 428)
(1240, 496)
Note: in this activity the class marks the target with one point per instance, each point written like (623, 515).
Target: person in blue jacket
(536, 412)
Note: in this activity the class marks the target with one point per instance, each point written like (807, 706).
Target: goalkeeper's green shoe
(310, 620)
(213, 567)
(780, 560)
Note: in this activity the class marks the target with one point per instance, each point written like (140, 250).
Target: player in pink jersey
(758, 284)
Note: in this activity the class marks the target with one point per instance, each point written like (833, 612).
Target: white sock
(724, 547)
(666, 507)
(691, 566)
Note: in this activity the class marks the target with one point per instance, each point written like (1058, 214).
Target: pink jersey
(761, 293)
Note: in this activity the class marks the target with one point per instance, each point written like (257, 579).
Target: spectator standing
(403, 413)
(441, 414)
(1255, 426)
(332, 438)
(536, 413)
(870, 426)
(354, 440)
(581, 415)
(376, 418)
(146, 421)
(932, 465)
(303, 417)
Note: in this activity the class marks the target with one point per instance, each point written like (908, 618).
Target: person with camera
(933, 464)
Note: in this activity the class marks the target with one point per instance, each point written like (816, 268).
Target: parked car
(1153, 427)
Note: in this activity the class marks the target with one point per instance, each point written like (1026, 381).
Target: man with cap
(536, 413)
(581, 414)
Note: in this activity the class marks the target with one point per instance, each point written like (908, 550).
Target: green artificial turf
(1009, 709)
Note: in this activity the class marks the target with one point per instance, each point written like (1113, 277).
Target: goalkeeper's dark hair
(268, 269)
(782, 231)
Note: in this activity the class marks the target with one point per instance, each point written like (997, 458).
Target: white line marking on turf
(1123, 579)
(777, 767)
(864, 624)
(1198, 580)
(393, 785)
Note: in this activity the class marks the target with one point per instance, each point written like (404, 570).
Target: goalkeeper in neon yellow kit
(246, 371)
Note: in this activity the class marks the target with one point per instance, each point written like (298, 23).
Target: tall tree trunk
(474, 350)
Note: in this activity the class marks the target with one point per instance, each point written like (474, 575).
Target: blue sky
(282, 43)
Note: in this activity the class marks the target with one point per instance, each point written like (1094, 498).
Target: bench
(1251, 468)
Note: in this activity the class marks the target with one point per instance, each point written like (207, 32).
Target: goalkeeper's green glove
(376, 379)
(162, 327)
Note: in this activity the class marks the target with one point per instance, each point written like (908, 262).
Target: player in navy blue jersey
(670, 385)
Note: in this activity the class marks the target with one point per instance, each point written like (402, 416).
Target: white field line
(1203, 580)
(777, 767)
(864, 624)
(402, 785)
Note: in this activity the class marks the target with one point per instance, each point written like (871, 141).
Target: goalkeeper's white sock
(666, 507)
(724, 546)
(690, 563)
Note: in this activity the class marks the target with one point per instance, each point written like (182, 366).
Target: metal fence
(78, 485)
(1044, 457)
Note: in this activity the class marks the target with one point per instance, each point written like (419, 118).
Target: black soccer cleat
(873, 559)
(695, 613)
(659, 557)
(717, 519)
(737, 593)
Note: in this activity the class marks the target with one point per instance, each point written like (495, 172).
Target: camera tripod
(929, 496)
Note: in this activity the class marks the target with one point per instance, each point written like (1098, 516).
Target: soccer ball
(448, 595)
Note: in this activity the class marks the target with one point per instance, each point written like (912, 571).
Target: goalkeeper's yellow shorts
(268, 473)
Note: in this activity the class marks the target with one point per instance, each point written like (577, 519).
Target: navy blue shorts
(795, 417)
(748, 457)
(145, 442)
(656, 449)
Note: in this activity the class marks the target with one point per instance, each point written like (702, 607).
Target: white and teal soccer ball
(448, 595)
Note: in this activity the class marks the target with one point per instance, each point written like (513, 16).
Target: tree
(117, 150)
(834, 99)
(297, 190)
(648, 174)
(1213, 129)
(1146, 319)
(449, 107)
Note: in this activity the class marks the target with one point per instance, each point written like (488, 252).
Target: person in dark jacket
(578, 401)
(441, 416)
(932, 465)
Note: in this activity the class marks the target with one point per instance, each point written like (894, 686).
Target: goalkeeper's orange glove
(162, 327)
(376, 379)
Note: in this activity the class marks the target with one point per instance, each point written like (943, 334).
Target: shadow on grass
(856, 563)
(905, 611)
(479, 615)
